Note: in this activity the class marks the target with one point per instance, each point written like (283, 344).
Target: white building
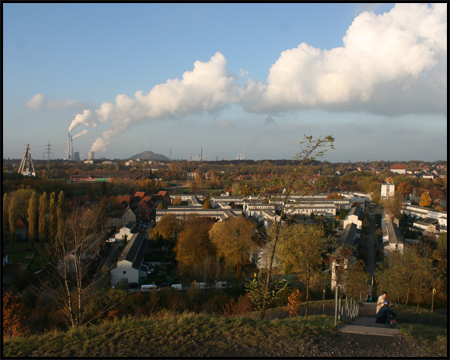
(129, 264)
(387, 190)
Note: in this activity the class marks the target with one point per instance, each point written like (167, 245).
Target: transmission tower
(48, 160)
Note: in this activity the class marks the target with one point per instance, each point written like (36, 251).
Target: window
(124, 272)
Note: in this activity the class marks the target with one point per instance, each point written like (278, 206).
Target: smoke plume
(84, 132)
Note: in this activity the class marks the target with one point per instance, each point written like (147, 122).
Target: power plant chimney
(71, 148)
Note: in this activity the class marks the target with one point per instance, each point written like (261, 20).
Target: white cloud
(392, 64)
(39, 102)
(392, 55)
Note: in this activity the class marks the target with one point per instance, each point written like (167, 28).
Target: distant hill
(149, 155)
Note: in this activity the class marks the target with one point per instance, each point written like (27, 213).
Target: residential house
(428, 226)
(128, 268)
(355, 216)
(128, 230)
(399, 169)
(21, 228)
(395, 240)
(145, 209)
(164, 197)
(123, 201)
(121, 217)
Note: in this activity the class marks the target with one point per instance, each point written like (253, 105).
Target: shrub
(293, 305)
(243, 306)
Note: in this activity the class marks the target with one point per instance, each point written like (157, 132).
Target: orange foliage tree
(293, 305)
(12, 321)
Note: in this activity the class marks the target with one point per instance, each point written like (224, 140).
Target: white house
(399, 169)
(129, 264)
(127, 230)
(395, 240)
(354, 216)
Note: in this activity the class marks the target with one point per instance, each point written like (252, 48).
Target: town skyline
(175, 78)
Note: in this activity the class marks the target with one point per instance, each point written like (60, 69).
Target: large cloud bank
(392, 64)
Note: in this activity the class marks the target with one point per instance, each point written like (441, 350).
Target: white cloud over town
(39, 102)
(390, 64)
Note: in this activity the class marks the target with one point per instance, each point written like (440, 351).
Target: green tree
(301, 248)
(32, 218)
(234, 241)
(43, 223)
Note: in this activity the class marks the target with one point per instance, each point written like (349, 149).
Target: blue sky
(238, 80)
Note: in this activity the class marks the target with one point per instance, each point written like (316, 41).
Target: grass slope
(171, 336)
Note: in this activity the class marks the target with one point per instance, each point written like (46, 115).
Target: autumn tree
(43, 223)
(234, 240)
(5, 206)
(194, 247)
(12, 319)
(168, 227)
(32, 218)
(301, 248)
(52, 218)
(393, 205)
(206, 204)
(279, 190)
(425, 199)
(12, 221)
(404, 188)
(177, 200)
(61, 214)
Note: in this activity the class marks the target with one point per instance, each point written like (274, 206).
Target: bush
(243, 306)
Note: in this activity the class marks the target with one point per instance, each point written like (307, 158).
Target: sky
(235, 81)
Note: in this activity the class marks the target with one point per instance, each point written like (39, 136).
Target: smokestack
(91, 155)
(68, 147)
(71, 148)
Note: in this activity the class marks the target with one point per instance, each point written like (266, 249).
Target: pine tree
(43, 223)
(32, 218)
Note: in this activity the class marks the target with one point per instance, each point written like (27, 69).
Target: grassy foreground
(172, 336)
(194, 335)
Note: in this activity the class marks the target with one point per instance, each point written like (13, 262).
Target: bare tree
(74, 273)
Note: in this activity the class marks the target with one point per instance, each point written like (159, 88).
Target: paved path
(365, 323)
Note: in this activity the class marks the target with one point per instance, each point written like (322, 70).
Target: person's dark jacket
(384, 311)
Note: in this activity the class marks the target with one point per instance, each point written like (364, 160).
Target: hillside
(191, 335)
(149, 155)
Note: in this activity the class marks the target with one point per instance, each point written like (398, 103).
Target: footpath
(365, 324)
